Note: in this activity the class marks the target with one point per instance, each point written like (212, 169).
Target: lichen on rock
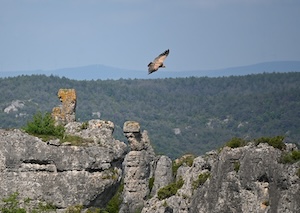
(66, 112)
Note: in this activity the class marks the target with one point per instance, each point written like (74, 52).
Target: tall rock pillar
(137, 168)
(66, 112)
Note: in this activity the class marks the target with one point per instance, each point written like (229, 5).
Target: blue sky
(128, 34)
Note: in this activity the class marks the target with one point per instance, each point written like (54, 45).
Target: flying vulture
(158, 62)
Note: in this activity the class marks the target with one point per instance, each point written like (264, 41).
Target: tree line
(181, 115)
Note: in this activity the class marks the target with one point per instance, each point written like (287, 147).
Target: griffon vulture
(158, 62)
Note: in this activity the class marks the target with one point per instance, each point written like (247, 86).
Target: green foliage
(184, 160)
(43, 207)
(74, 209)
(236, 166)
(113, 205)
(236, 142)
(84, 125)
(201, 180)
(44, 125)
(291, 157)
(94, 210)
(75, 140)
(170, 189)
(151, 183)
(276, 142)
(12, 204)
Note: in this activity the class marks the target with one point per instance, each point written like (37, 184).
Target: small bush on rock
(184, 160)
(74, 209)
(276, 142)
(114, 204)
(236, 165)
(236, 142)
(12, 204)
(291, 157)
(170, 189)
(201, 180)
(151, 183)
(44, 125)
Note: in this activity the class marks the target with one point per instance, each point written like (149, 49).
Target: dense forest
(181, 115)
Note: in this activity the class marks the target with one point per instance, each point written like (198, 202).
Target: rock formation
(246, 179)
(137, 168)
(66, 112)
(64, 175)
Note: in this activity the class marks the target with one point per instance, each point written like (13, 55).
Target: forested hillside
(182, 115)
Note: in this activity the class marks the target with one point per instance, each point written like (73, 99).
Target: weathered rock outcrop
(246, 179)
(66, 112)
(137, 168)
(63, 175)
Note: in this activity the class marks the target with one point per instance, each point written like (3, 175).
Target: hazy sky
(201, 34)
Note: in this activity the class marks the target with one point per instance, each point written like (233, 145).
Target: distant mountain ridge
(102, 72)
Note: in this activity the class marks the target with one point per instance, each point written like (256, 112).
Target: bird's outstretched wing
(157, 62)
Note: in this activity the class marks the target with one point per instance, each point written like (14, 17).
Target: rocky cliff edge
(246, 179)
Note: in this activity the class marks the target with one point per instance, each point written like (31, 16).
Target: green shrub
(74, 209)
(84, 125)
(151, 183)
(201, 180)
(236, 166)
(94, 210)
(236, 142)
(291, 157)
(75, 140)
(170, 189)
(184, 160)
(276, 142)
(44, 125)
(12, 204)
(113, 205)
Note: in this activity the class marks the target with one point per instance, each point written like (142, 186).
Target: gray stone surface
(62, 175)
(245, 179)
(162, 173)
(258, 184)
(137, 170)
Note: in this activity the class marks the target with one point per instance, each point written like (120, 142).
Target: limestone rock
(66, 112)
(245, 179)
(99, 131)
(138, 141)
(137, 169)
(131, 127)
(61, 175)
(162, 173)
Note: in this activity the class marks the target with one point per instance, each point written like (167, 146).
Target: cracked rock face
(137, 168)
(57, 174)
(245, 179)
